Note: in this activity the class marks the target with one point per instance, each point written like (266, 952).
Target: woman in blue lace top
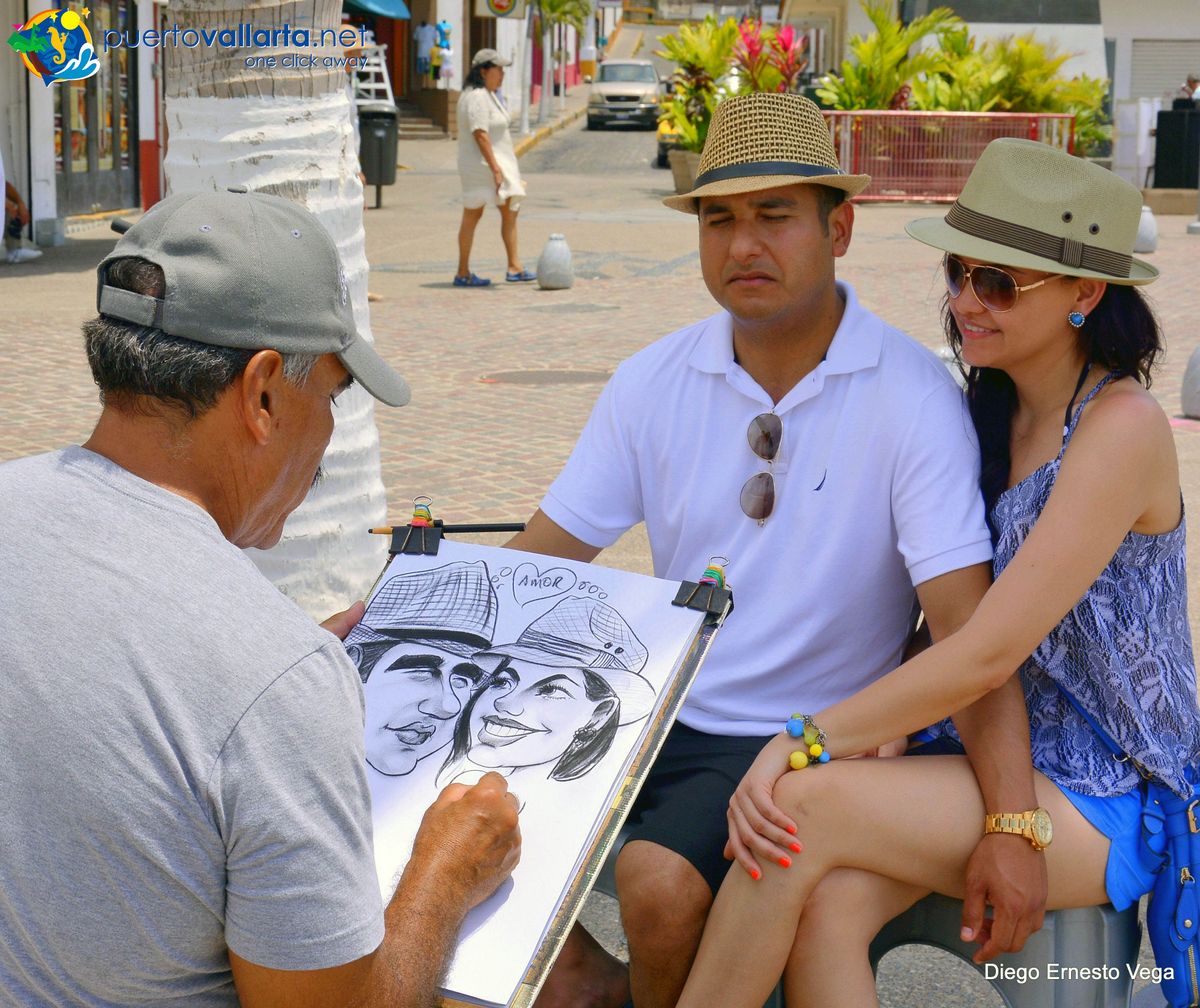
(1081, 483)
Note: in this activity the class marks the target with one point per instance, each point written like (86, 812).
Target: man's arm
(1004, 872)
(467, 845)
(542, 535)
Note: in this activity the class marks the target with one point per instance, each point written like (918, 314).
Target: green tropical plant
(887, 59)
(702, 54)
(1014, 74)
(566, 12)
(718, 59)
(966, 83)
(707, 45)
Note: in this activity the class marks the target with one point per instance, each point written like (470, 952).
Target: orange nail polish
(792, 830)
(796, 848)
(755, 874)
(785, 862)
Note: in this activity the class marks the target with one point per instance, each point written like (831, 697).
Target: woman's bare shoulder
(1125, 411)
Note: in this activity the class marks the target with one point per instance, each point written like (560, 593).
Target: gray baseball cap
(489, 56)
(250, 271)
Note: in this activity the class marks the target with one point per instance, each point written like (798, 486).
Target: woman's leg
(466, 237)
(508, 234)
(914, 821)
(829, 964)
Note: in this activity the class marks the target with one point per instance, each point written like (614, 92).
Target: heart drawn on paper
(531, 584)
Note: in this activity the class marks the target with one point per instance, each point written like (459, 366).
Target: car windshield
(627, 73)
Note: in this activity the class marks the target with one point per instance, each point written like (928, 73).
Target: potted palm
(716, 60)
(701, 54)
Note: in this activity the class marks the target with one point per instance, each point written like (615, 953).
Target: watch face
(1043, 828)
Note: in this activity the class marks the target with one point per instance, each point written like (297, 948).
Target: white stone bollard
(554, 271)
(1190, 396)
(1147, 232)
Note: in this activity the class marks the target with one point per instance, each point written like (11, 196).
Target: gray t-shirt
(182, 760)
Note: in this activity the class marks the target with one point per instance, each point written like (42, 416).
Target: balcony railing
(928, 155)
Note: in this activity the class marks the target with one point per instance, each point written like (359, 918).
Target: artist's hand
(757, 826)
(471, 838)
(1007, 874)
(340, 624)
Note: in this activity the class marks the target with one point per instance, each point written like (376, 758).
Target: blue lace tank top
(1124, 652)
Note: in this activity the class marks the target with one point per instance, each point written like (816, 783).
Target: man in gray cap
(186, 815)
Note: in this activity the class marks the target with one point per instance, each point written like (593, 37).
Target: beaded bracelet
(803, 726)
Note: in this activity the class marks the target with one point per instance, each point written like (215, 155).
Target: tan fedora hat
(1030, 206)
(763, 140)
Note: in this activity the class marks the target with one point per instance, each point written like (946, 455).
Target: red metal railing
(928, 155)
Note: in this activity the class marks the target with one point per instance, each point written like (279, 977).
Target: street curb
(526, 144)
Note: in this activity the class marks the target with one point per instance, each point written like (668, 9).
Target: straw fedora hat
(763, 140)
(1030, 206)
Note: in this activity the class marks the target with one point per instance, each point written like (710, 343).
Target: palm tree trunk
(562, 67)
(547, 68)
(288, 132)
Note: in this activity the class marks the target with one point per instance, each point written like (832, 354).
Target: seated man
(186, 816)
(831, 459)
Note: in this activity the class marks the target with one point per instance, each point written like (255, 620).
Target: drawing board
(551, 672)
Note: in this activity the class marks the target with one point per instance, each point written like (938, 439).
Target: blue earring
(1076, 318)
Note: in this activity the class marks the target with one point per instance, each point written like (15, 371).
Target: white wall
(1125, 20)
(510, 43)
(454, 12)
(43, 187)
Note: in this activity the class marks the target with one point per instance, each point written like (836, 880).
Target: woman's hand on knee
(759, 831)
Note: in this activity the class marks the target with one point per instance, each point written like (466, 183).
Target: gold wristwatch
(1034, 825)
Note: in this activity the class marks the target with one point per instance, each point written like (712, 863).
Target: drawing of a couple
(553, 698)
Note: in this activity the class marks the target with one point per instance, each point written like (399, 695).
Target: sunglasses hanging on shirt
(758, 492)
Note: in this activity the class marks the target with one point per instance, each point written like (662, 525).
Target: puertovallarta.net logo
(56, 45)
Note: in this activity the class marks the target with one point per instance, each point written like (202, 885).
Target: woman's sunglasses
(758, 493)
(994, 289)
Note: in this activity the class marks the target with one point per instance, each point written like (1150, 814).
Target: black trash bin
(1177, 150)
(377, 131)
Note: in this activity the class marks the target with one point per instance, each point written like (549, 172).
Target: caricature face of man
(529, 715)
(413, 695)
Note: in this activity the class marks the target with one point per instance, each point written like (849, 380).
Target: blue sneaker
(471, 280)
(522, 276)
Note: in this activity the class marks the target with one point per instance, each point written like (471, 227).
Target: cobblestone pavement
(503, 378)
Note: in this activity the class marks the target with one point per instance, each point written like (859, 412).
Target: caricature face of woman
(413, 694)
(528, 715)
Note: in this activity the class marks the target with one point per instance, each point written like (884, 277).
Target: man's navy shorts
(683, 801)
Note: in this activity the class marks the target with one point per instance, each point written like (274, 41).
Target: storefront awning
(382, 8)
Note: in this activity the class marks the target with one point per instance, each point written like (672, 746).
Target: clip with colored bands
(709, 595)
(422, 536)
(802, 726)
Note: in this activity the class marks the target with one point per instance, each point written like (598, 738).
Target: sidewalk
(504, 378)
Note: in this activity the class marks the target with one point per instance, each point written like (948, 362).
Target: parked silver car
(624, 91)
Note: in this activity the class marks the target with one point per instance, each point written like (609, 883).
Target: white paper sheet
(521, 706)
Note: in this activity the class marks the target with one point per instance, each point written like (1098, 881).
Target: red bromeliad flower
(750, 53)
(787, 55)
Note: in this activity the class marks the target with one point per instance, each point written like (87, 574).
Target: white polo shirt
(876, 490)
